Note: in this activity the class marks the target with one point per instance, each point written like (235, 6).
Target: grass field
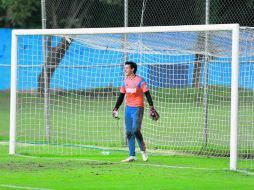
(106, 172)
(100, 171)
(4, 116)
(85, 119)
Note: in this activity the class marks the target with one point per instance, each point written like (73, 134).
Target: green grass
(181, 111)
(84, 117)
(106, 172)
(60, 165)
(88, 120)
(4, 116)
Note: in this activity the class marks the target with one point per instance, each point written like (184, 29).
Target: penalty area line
(22, 187)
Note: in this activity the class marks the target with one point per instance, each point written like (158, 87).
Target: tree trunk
(54, 57)
(197, 69)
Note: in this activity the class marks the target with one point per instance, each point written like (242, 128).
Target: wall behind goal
(5, 58)
(178, 68)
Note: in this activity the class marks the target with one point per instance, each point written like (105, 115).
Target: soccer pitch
(106, 172)
(99, 171)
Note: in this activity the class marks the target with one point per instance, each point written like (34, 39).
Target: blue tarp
(5, 58)
(178, 73)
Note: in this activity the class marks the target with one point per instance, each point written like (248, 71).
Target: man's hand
(115, 113)
(154, 114)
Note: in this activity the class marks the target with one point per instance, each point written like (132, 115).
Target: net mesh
(192, 95)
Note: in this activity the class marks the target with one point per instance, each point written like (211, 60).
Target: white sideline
(22, 187)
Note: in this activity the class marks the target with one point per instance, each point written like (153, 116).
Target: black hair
(133, 65)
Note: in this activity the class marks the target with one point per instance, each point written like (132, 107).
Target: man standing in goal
(135, 88)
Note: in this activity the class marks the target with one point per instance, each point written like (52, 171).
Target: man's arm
(118, 104)
(153, 113)
(119, 100)
(149, 98)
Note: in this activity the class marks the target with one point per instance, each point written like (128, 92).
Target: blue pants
(133, 121)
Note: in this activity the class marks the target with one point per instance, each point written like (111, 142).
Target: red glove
(154, 114)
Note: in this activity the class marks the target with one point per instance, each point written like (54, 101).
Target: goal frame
(234, 28)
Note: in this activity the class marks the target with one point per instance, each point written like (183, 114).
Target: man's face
(128, 70)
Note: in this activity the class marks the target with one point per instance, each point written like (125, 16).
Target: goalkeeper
(134, 87)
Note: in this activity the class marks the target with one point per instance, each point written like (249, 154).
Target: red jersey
(134, 89)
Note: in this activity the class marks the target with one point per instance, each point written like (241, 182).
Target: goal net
(65, 84)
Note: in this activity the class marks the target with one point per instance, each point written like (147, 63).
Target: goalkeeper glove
(115, 113)
(154, 114)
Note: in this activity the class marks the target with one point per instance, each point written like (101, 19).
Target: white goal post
(232, 28)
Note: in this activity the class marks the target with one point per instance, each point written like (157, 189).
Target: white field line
(4, 143)
(245, 172)
(145, 164)
(136, 164)
(149, 165)
(22, 187)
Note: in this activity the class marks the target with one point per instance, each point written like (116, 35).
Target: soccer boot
(129, 159)
(144, 156)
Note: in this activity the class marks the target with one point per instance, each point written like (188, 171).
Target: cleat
(144, 156)
(129, 159)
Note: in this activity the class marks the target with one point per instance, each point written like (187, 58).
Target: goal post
(13, 99)
(234, 98)
(87, 89)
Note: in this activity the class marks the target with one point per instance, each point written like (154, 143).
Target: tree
(60, 17)
(73, 14)
(228, 11)
(54, 56)
(180, 12)
(20, 14)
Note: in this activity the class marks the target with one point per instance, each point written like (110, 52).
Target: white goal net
(67, 83)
